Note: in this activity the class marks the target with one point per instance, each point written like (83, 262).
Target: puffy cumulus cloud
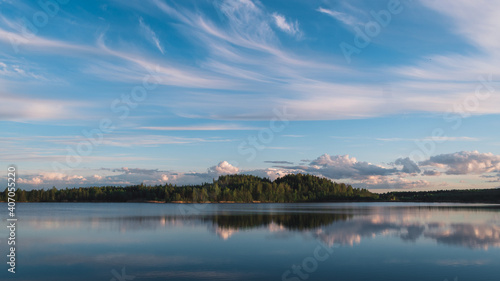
(409, 166)
(492, 178)
(431, 173)
(122, 176)
(127, 170)
(131, 176)
(223, 168)
(386, 182)
(49, 180)
(360, 173)
(271, 173)
(402, 174)
(125, 176)
(343, 166)
(465, 162)
(30, 181)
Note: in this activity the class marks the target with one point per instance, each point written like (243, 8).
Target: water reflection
(471, 227)
(467, 235)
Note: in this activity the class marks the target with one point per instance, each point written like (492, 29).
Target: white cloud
(24, 108)
(465, 162)
(223, 168)
(160, 73)
(386, 182)
(475, 236)
(248, 23)
(343, 166)
(242, 51)
(436, 139)
(151, 35)
(431, 173)
(342, 17)
(36, 43)
(18, 70)
(231, 127)
(164, 178)
(120, 140)
(291, 28)
(409, 166)
(337, 167)
(477, 21)
(52, 179)
(270, 173)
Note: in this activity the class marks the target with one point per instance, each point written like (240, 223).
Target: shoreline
(256, 202)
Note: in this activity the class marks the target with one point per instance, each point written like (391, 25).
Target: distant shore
(496, 202)
(231, 189)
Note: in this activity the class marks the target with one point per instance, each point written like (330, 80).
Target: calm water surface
(355, 241)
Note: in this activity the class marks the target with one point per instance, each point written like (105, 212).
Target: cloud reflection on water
(340, 226)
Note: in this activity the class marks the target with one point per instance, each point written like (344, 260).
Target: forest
(249, 189)
(229, 188)
(451, 196)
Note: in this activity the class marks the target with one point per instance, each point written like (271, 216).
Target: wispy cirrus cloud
(291, 28)
(344, 18)
(24, 108)
(30, 43)
(464, 16)
(242, 51)
(279, 162)
(234, 61)
(431, 138)
(18, 70)
(231, 127)
(151, 35)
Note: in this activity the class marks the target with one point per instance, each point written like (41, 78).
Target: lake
(316, 241)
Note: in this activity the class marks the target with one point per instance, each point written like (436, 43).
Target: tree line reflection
(332, 228)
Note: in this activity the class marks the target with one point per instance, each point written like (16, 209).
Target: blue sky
(380, 94)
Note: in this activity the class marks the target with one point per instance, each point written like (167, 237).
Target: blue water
(327, 241)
